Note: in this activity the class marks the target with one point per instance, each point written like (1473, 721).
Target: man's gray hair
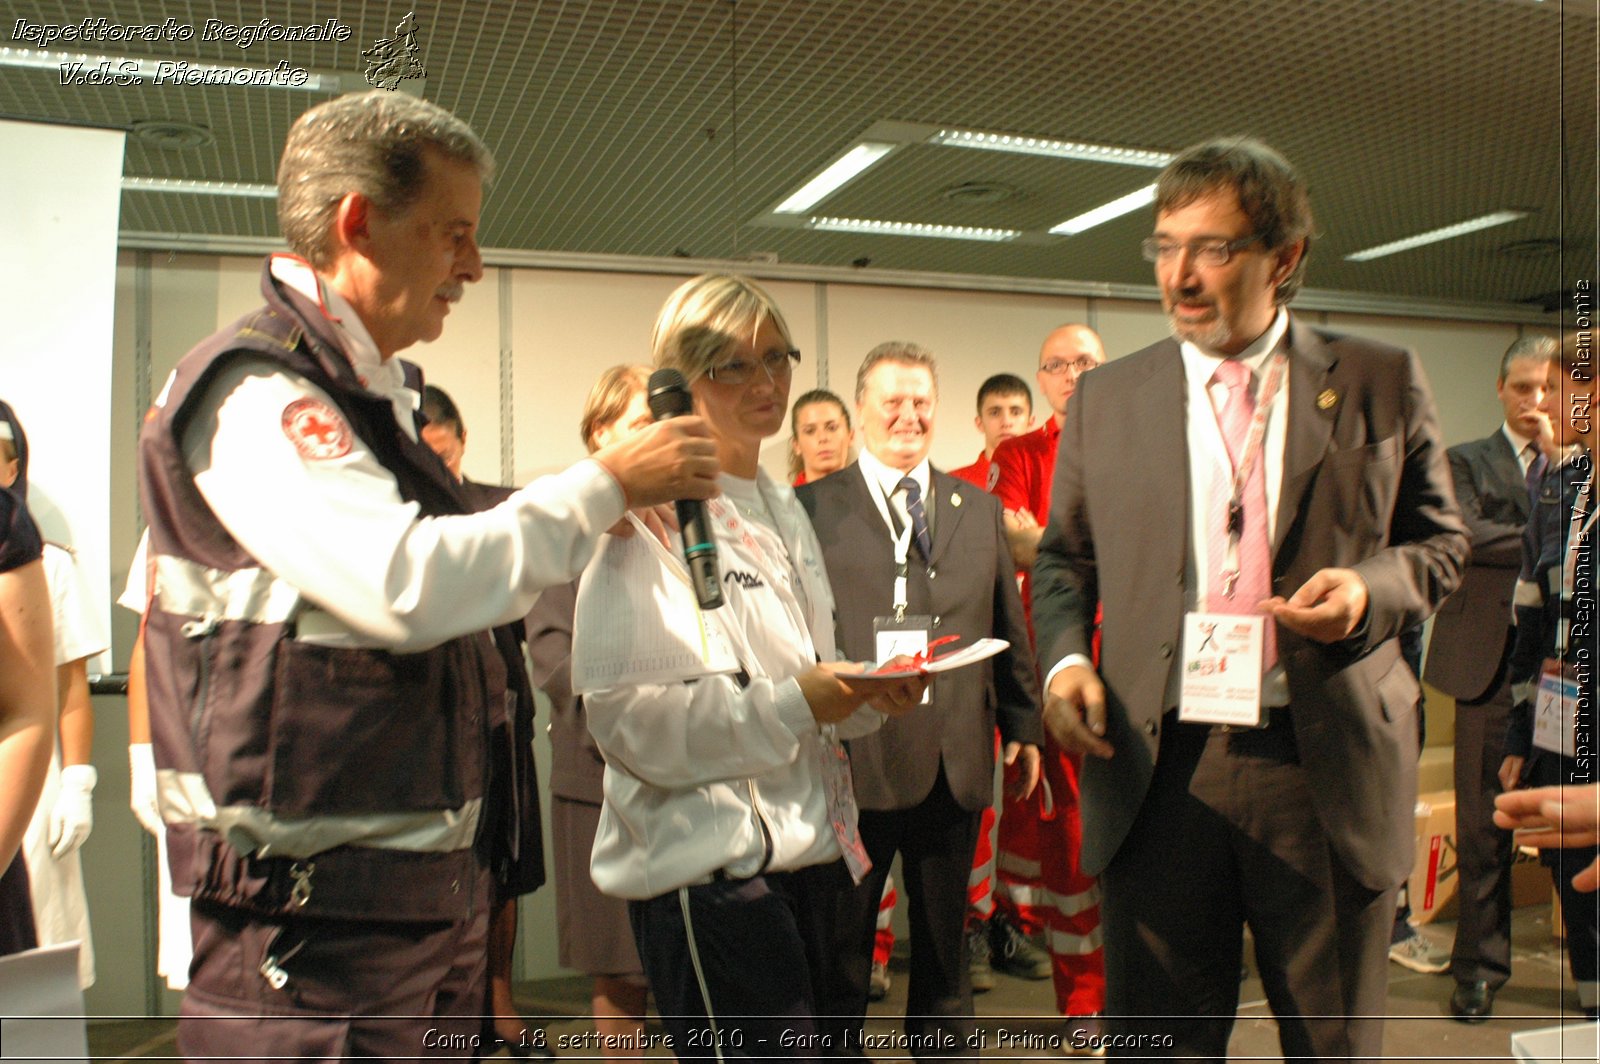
(902, 351)
(1534, 348)
(374, 143)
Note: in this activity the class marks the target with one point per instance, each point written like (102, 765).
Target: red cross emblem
(317, 430)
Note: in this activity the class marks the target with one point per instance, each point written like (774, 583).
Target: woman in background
(819, 436)
(592, 929)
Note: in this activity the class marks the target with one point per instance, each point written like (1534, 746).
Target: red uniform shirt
(1026, 464)
(1024, 467)
(978, 473)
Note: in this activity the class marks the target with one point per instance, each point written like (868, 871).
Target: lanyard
(902, 552)
(1247, 461)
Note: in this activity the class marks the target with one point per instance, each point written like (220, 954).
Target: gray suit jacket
(1472, 634)
(1365, 486)
(970, 589)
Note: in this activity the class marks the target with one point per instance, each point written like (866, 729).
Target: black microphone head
(669, 394)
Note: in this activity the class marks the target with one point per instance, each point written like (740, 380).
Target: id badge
(843, 816)
(1555, 710)
(905, 635)
(1222, 669)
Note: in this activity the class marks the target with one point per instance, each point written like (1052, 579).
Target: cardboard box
(1434, 875)
(1432, 886)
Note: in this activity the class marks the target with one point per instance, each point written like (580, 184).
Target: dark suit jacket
(970, 589)
(1365, 485)
(1472, 634)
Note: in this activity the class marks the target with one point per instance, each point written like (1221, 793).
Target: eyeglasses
(1057, 366)
(778, 364)
(1203, 252)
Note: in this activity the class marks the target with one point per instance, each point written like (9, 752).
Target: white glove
(142, 799)
(73, 814)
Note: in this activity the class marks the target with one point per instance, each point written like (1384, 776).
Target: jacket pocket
(365, 731)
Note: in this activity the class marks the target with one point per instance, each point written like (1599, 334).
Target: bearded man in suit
(1251, 470)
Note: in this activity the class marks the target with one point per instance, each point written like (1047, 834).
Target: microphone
(669, 397)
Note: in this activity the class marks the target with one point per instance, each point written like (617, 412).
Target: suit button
(1149, 727)
(932, 573)
(1166, 650)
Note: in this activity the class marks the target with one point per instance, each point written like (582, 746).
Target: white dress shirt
(883, 484)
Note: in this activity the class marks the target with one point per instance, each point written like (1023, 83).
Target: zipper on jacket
(204, 630)
(766, 829)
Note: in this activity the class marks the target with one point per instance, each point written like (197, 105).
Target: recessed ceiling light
(884, 228)
(838, 173)
(1106, 211)
(1539, 247)
(199, 188)
(172, 136)
(985, 192)
(1433, 236)
(1022, 144)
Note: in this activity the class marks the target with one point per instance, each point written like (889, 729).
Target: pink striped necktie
(1254, 582)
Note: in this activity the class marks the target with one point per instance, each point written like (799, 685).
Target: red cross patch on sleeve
(317, 430)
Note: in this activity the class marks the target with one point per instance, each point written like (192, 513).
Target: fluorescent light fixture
(78, 68)
(882, 228)
(199, 188)
(840, 172)
(1022, 144)
(1106, 211)
(1433, 236)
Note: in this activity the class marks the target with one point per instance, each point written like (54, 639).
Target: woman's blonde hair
(707, 314)
(609, 398)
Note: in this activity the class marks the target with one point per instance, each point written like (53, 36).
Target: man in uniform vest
(325, 658)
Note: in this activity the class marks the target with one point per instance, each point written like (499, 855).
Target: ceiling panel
(656, 127)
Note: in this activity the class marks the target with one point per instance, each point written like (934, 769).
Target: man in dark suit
(1252, 466)
(1472, 640)
(915, 554)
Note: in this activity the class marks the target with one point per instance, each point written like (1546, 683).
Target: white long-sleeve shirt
(337, 531)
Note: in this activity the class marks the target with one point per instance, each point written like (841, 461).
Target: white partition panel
(62, 193)
(568, 326)
(1126, 326)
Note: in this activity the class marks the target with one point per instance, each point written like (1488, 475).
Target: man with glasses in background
(1286, 488)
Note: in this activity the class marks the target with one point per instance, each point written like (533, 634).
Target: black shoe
(1472, 1002)
(1013, 952)
(979, 969)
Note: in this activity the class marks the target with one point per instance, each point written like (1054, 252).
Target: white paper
(1221, 669)
(956, 659)
(41, 1007)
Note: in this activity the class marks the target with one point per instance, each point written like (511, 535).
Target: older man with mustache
(326, 647)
